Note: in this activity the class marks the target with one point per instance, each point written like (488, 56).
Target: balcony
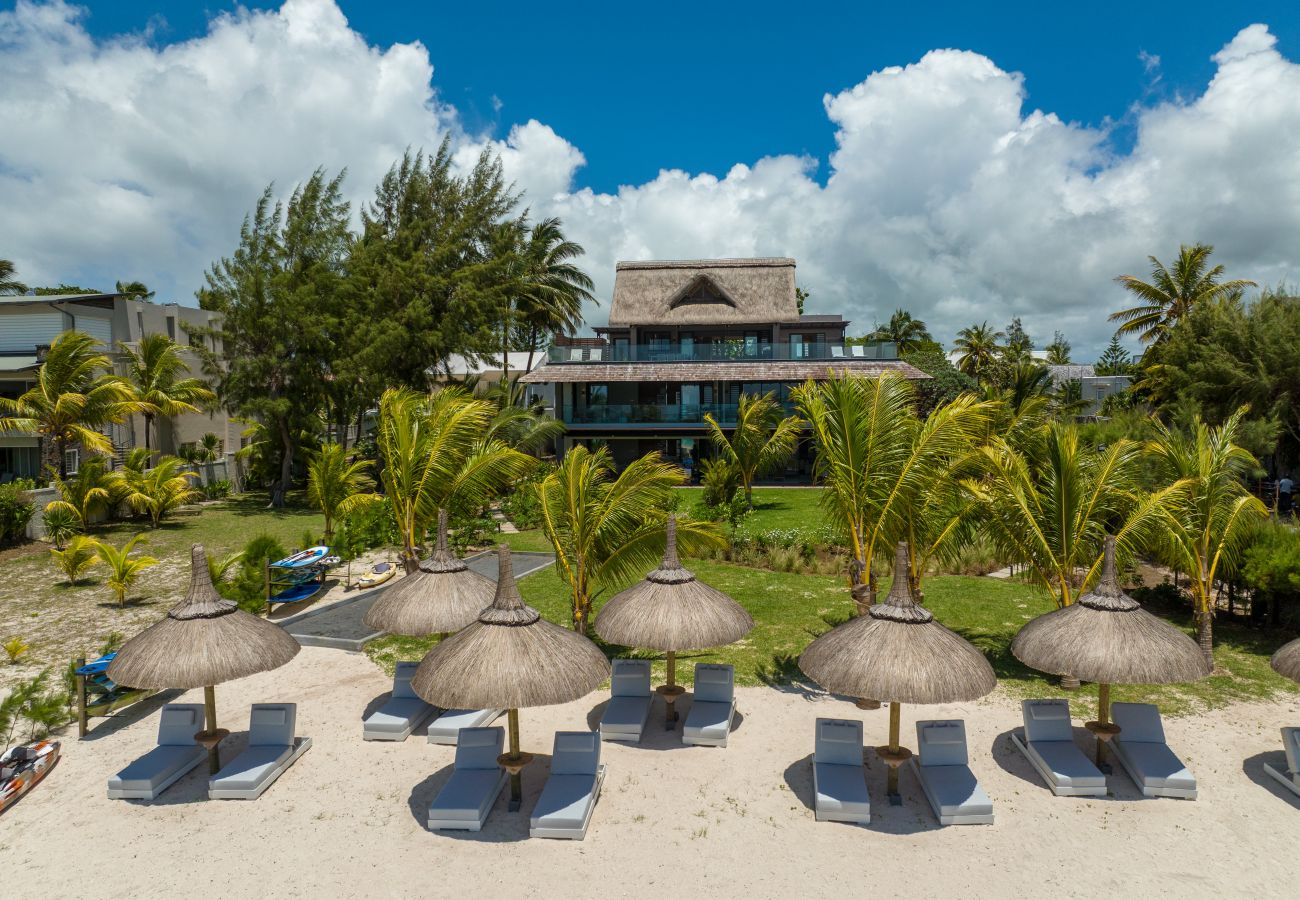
(655, 414)
(718, 351)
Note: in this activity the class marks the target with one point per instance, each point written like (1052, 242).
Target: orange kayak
(23, 767)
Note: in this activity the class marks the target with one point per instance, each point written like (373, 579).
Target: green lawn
(774, 508)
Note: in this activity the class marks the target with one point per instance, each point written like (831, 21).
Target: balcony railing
(655, 413)
(724, 351)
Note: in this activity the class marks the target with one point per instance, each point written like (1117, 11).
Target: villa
(686, 338)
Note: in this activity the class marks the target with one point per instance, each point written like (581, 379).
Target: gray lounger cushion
(176, 754)
(713, 706)
(272, 748)
(475, 783)
(1141, 749)
(1048, 744)
(942, 768)
(839, 779)
(446, 728)
(1290, 779)
(564, 809)
(402, 714)
(629, 702)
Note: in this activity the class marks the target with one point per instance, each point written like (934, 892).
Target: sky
(967, 162)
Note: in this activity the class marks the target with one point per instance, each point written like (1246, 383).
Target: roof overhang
(769, 370)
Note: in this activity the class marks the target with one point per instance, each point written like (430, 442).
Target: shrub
(61, 523)
(721, 482)
(30, 702)
(469, 530)
(523, 505)
(1271, 571)
(365, 528)
(216, 490)
(248, 586)
(75, 559)
(124, 570)
(17, 648)
(15, 511)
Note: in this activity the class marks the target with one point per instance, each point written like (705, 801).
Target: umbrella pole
(671, 691)
(514, 762)
(211, 736)
(893, 755)
(1103, 728)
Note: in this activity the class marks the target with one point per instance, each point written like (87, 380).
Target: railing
(718, 351)
(654, 413)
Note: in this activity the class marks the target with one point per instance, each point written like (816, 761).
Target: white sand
(347, 819)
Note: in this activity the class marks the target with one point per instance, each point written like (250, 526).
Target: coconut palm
(155, 368)
(980, 350)
(554, 288)
(90, 491)
(1202, 521)
(160, 490)
(76, 557)
(123, 569)
(1171, 295)
(607, 529)
(9, 284)
(884, 469)
(906, 332)
(137, 290)
(75, 394)
(337, 487)
(761, 441)
(527, 428)
(436, 454)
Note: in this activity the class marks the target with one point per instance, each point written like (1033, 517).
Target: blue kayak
(298, 592)
(99, 666)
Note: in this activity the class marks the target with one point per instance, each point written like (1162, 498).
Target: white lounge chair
(629, 701)
(837, 351)
(164, 765)
(949, 784)
(402, 714)
(1048, 743)
(446, 728)
(1141, 750)
(476, 781)
(575, 354)
(595, 354)
(564, 809)
(273, 747)
(858, 351)
(713, 706)
(1290, 779)
(839, 779)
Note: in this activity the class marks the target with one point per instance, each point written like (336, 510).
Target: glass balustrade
(653, 413)
(724, 351)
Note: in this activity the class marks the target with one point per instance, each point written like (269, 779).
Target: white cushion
(1138, 722)
(1155, 765)
(839, 742)
(272, 724)
(478, 748)
(467, 795)
(1047, 720)
(1291, 741)
(711, 721)
(397, 715)
(155, 767)
(575, 753)
(625, 715)
(841, 788)
(179, 723)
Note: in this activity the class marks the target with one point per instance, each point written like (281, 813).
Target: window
(171, 327)
(72, 461)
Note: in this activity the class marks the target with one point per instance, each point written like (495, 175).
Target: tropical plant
(155, 369)
(1201, 522)
(1058, 351)
(76, 558)
(220, 568)
(160, 490)
(721, 481)
(526, 428)
(15, 648)
(74, 395)
(607, 529)
(336, 486)
(553, 288)
(435, 455)
(15, 510)
(1171, 295)
(1114, 360)
(9, 284)
(979, 349)
(60, 525)
(136, 290)
(761, 441)
(123, 570)
(92, 490)
(29, 701)
(906, 332)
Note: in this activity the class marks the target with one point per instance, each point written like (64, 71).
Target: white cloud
(945, 194)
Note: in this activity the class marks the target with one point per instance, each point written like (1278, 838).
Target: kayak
(22, 768)
(298, 592)
(377, 575)
(309, 557)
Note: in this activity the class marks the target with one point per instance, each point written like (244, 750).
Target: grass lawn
(774, 508)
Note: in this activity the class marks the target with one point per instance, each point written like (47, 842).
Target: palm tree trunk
(148, 422)
(61, 446)
(1205, 634)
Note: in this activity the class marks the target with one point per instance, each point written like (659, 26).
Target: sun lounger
(273, 747)
(1048, 743)
(564, 809)
(1290, 779)
(402, 714)
(839, 780)
(629, 701)
(476, 781)
(713, 706)
(446, 728)
(1141, 750)
(175, 755)
(949, 784)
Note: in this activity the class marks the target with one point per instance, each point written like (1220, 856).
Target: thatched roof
(509, 658)
(1106, 637)
(672, 610)
(897, 653)
(722, 370)
(1286, 661)
(704, 292)
(204, 640)
(442, 596)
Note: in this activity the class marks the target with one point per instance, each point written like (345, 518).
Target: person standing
(1285, 487)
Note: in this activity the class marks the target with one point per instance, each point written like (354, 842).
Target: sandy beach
(348, 818)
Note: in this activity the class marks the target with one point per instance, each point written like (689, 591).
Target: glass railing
(652, 413)
(726, 351)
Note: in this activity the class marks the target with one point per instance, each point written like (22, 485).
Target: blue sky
(700, 86)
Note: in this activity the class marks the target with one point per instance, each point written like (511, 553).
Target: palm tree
(527, 428)
(123, 570)
(436, 454)
(1171, 295)
(91, 490)
(160, 490)
(885, 470)
(75, 393)
(76, 558)
(553, 287)
(337, 487)
(606, 529)
(1058, 351)
(154, 366)
(136, 289)
(979, 348)
(908, 333)
(9, 284)
(761, 441)
(1202, 520)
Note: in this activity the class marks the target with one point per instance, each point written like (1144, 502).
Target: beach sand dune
(347, 820)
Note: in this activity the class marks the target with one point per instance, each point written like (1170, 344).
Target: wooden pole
(516, 775)
(210, 713)
(895, 721)
(1103, 716)
(266, 581)
(81, 699)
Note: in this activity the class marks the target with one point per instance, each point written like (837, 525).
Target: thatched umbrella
(204, 640)
(671, 611)
(896, 652)
(510, 658)
(441, 596)
(1286, 661)
(1106, 637)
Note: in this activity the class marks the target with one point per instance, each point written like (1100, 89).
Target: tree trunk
(281, 486)
(61, 447)
(1205, 634)
(749, 496)
(148, 423)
